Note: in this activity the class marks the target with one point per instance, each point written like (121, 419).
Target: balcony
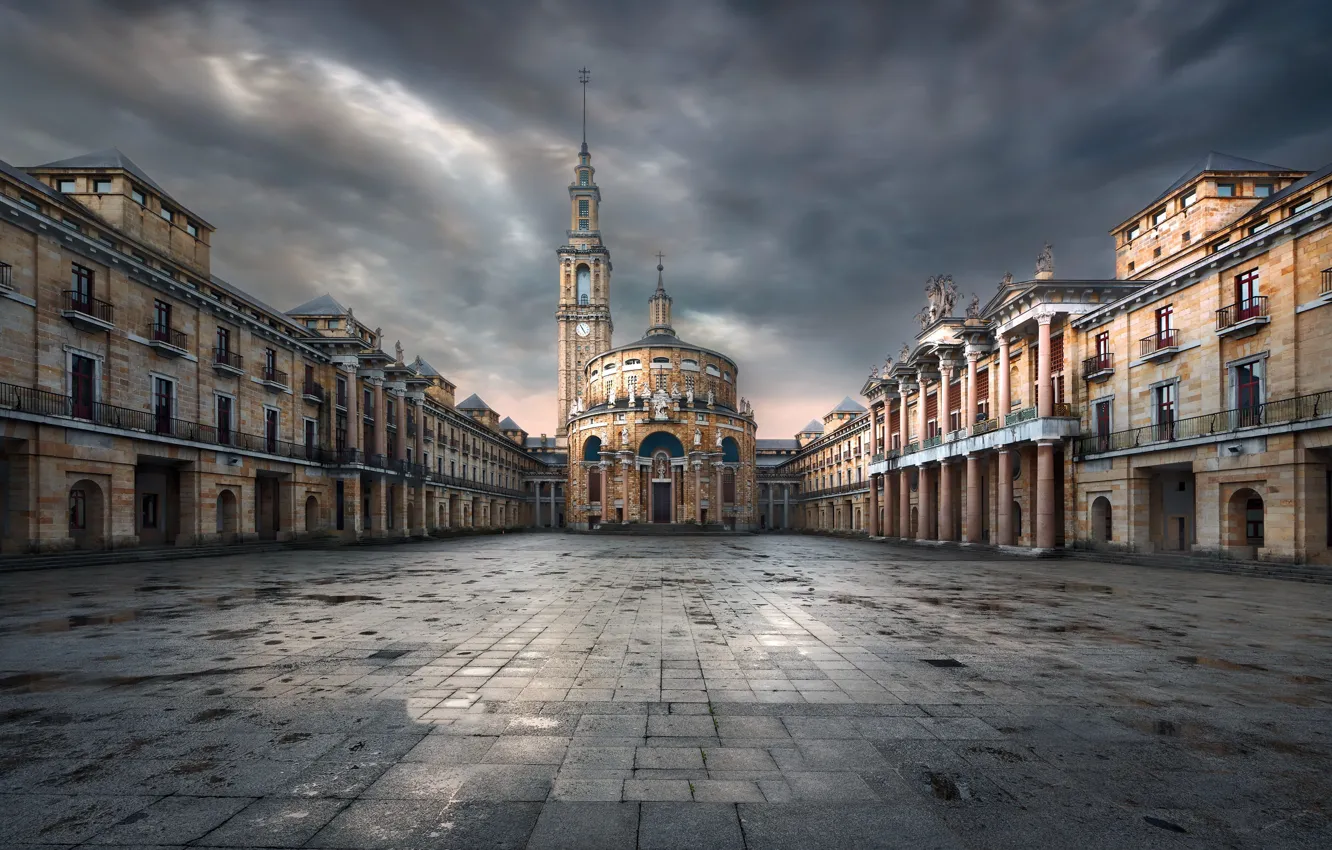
(313, 392)
(87, 311)
(983, 426)
(429, 436)
(1098, 367)
(1064, 410)
(167, 340)
(1161, 345)
(228, 362)
(155, 423)
(1272, 414)
(1242, 318)
(274, 378)
(1020, 416)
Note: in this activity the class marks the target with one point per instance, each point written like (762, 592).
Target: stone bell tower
(583, 320)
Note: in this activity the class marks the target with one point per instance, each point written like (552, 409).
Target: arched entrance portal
(86, 515)
(1101, 528)
(1246, 522)
(664, 474)
(312, 514)
(227, 518)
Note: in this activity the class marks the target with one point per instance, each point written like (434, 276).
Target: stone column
(698, 491)
(922, 414)
(928, 517)
(946, 529)
(354, 423)
(418, 450)
(1045, 493)
(872, 525)
(401, 520)
(1005, 505)
(902, 418)
(378, 507)
(969, 414)
(973, 529)
(717, 490)
(381, 422)
(190, 499)
(874, 426)
(890, 505)
(786, 507)
(400, 420)
(624, 487)
(1045, 393)
(945, 395)
(771, 518)
(904, 502)
(1005, 391)
(536, 499)
(554, 514)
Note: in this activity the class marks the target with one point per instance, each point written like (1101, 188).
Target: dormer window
(1257, 226)
(30, 203)
(1220, 243)
(102, 187)
(67, 185)
(1225, 190)
(1158, 216)
(1262, 190)
(661, 362)
(136, 195)
(1302, 204)
(1189, 199)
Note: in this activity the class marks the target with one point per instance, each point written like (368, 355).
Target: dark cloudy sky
(804, 166)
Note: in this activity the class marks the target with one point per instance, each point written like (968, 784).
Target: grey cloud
(804, 166)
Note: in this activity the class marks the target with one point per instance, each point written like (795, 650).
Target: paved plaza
(549, 691)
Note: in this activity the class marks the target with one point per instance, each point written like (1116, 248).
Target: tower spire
(659, 306)
(583, 76)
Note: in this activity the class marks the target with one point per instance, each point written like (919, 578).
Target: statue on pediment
(1045, 260)
(1006, 281)
(905, 354)
(973, 307)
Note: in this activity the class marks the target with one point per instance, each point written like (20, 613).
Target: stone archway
(228, 513)
(1246, 515)
(87, 514)
(1102, 530)
(915, 521)
(1017, 521)
(312, 522)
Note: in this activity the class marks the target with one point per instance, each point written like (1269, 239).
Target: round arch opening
(661, 440)
(1102, 530)
(86, 514)
(312, 514)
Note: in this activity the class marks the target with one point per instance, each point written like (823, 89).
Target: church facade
(655, 430)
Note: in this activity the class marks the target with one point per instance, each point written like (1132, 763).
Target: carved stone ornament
(711, 398)
(698, 437)
(973, 307)
(1006, 280)
(1045, 260)
(660, 402)
(397, 351)
(905, 354)
(719, 437)
(624, 436)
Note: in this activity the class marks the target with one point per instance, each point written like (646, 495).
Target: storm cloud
(804, 166)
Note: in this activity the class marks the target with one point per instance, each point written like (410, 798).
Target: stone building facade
(1182, 406)
(146, 402)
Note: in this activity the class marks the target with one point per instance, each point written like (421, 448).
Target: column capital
(1043, 317)
(973, 353)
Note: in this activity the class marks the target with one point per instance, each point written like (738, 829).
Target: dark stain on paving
(340, 599)
(210, 714)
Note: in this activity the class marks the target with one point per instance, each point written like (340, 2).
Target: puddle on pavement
(77, 621)
(32, 682)
(1219, 663)
(340, 599)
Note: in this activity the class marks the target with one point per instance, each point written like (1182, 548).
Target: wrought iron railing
(1159, 341)
(1020, 416)
(429, 436)
(6, 279)
(834, 491)
(168, 335)
(984, 426)
(911, 447)
(876, 457)
(1279, 412)
(223, 357)
(1241, 311)
(78, 302)
(274, 375)
(313, 389)
(931, 442)
(1097, 363)
(157, 422)
(1064, 409)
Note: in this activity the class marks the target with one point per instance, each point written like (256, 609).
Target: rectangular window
(1225, 190)
(1102, 344)
(82, 384)
(270, 361)
(342, 392)
(1101, 418)
(582, 208)
(161, 320)
(164, 406)
(1301, 205)
(1257, 226)
(582, 224)
(1253, 522)
(166, 213)
(81, 279)
(1262, 190)
(1165, 323)
(30, 203)
(1246, 294)
(136, 194)
(1248, 394)
(192, 228)
(148, 514)
(270, 429)
(1163, 399)
(1189, 199)
(223, 343)
(367, 403)
(1185, 237)
(1132, 233)
(1158, 216)
(224, 420)
(1220, 243)
(102, 187)
(311, 438)
(67, 185)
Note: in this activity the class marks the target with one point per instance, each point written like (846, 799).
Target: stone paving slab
(544, 691)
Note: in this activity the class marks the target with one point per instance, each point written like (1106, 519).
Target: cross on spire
(660, 256)
(583, 76)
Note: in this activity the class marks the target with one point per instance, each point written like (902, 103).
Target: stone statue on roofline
(905, 354)
(973, 307)
(1045, 260)
(1006, 280)
(888, 365)
(397, 351)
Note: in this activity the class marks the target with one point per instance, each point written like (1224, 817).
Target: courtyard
(573, 691)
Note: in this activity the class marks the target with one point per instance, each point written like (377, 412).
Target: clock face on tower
(583, 329)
